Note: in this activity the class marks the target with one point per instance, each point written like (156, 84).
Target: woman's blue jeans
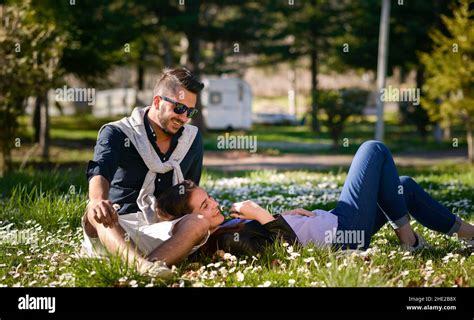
(373, 194)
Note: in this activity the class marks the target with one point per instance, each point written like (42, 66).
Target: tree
(414, 115)
(30, 51)
(302, 29)
(449, 85)
(339, 105)
(98, 34)
(409, 25)
(215, 31)
(413, 20)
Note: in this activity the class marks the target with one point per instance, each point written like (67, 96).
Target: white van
(227, 103)
(114, 102)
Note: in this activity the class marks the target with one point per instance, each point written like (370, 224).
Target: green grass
(72, 133)
(300, 139)
(40, 235)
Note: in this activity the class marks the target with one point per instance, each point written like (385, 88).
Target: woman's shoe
(420, 244)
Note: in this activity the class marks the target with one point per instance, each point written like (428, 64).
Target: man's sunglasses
(180, 108)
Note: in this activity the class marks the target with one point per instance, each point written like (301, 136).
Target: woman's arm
(276, 226)
(250, 210)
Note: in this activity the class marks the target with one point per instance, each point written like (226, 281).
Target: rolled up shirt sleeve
(106, 153)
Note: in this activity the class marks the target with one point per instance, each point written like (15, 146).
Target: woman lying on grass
(373, 194)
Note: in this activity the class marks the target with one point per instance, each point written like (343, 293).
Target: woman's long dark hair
(174, 203)
(212, 244)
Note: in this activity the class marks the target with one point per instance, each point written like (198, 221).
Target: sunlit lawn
(72, 133)
(40, 236)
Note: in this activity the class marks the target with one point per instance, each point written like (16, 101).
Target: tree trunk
(36, 123)
(292, 99)
(140, 77)
(44, 129)
(470, 141)
(335, 140)
(314, 90)
(3, 168)
(5, 159)
(7, 136)
(438, 133)
(141, 66)
(194, 55)
(423, 118)
(447, 133)
(168, 54)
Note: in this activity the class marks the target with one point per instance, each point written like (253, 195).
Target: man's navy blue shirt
(118, 161)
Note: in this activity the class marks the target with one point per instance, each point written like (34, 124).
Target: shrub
(339, 105)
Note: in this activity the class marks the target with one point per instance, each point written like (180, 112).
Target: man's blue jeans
(373, 194)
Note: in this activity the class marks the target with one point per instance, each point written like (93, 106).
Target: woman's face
(202, 203)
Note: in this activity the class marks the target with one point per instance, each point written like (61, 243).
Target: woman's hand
(250, 210)
(299, 211)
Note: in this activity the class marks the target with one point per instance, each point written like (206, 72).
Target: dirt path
(240, 160)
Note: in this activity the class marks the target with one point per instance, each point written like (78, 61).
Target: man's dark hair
(172, 79)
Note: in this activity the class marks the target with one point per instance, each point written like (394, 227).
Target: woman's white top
(318, 229)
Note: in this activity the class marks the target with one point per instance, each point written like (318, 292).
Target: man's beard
(164, 126)
(163, 123)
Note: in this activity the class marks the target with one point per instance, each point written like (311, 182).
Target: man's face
(169, 121)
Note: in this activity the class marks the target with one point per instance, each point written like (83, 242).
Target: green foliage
(415, 115)
(339, 105)
(99, 34)
(226, 30)
(449, 86)
(305, 29)
(294, 31)
(30, 51)
(409, 26)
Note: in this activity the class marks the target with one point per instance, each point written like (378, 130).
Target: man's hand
(299, 211)
(103, 212)
(99, 208)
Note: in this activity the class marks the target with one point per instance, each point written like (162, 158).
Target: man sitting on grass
(136, 159)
